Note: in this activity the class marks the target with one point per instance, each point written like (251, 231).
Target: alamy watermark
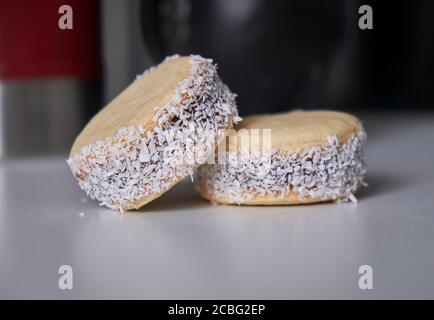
(366, 281)
(66, 279)
(366, 20)
(66, 19)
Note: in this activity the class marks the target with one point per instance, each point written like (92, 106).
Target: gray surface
(182, 247)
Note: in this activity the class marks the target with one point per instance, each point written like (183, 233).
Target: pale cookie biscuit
(156, 132)
(311, 157)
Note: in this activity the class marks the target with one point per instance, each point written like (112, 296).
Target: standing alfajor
(304, 157)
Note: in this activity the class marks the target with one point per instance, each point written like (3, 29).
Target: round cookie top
(135, 106)
(298, 130)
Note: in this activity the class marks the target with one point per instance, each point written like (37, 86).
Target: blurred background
(276, 55)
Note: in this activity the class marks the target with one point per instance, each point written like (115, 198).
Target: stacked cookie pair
(171, 120)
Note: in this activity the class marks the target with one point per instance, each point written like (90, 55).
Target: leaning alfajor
(156, 132)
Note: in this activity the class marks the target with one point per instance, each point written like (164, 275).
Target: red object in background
(32, 45)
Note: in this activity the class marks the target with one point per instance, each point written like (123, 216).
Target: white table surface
(182, 247)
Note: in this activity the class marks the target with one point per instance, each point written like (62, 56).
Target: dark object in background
(398, 55)
(284, 54)
(271, 53)
(49, 78)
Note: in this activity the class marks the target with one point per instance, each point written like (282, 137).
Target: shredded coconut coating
(136, 162)
(329, 172)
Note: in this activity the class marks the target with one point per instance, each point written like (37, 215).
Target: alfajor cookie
(289, 158)
(156, 132)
